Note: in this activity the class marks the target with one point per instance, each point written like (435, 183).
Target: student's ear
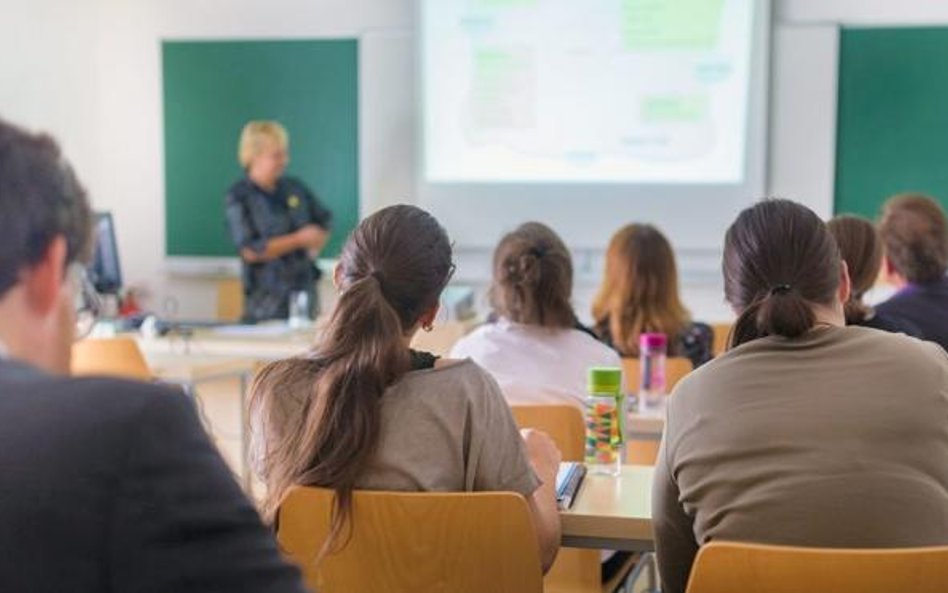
(427, 319)
(336, 276)
(845, 283)
(43, 281)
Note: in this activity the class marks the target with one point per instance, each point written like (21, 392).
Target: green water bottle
(604, 423)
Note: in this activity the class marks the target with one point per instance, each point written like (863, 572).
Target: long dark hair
(779, 261)
(533, 278)
(392, 270)
(861, 249)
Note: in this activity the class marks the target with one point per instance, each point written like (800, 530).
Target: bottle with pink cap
(653, 351)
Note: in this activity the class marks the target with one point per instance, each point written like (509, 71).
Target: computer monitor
(105, 271)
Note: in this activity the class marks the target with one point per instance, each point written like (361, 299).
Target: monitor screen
(105, 271)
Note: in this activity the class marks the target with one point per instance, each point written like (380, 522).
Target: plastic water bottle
(604, 432)
(653, 351)
(299, 310)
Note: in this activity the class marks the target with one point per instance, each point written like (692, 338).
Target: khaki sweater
(836, 439)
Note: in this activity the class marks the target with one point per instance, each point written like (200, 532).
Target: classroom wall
(48, 74)
(89, 72)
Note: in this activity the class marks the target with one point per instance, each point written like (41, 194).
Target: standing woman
(276, 223)
(363, 411)
(861, 248)
(639, 294)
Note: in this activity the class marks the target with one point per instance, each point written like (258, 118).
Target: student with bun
(806, 432)
(364, 411)
(861, 249)
(914, 230)
(639, 294)
(534, 345)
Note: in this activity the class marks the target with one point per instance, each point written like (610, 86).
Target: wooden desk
(262, 346)
(612, 513)
(220, 386)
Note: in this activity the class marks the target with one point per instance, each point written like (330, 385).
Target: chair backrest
(112, 357)
(725, 567)
(564, 424)
(230, 299)
(410, 542)
(676, 367)
(645, 452)
(722, 331)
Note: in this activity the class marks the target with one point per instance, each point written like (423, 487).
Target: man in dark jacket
(105, 485)
(914, 230)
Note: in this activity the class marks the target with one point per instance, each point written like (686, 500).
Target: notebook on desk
(568, 480)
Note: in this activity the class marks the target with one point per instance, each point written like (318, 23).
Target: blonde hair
(252, 135)
(639, 291)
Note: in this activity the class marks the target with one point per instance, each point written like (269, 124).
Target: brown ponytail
(779, 261)
(861, 248)
(533, 278)
(391, 271)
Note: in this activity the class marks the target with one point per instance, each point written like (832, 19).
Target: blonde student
(639, 294)
(533, 344)
(363, 411)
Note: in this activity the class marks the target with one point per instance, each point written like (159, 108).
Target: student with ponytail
(363, 411)
(805, 432)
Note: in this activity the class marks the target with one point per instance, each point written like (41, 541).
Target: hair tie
(377, 274)
(780, 289)
(538, 252)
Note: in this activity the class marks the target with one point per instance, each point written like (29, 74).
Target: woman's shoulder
(461, 372)
(451, 381)
(891, 323)
(240, 189)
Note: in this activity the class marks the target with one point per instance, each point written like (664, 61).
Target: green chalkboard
(893, 116)
(212, 88)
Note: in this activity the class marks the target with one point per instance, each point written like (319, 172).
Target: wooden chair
(413, 542)
(113, 357)
(575, 570)
(645, 452)
(722, 333)
(676, 367)
(564, 424)
(230, 299)
(725, 567)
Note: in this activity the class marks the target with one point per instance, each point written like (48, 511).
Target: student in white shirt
(534, 345)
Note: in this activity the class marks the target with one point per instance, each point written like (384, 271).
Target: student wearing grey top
(357, 413)
(805, 432)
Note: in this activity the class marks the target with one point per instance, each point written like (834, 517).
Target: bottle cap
(649, 341)
(605, 381)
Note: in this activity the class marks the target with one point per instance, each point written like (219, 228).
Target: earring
(427, 327)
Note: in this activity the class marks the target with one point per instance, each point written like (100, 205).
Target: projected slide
(617, 91)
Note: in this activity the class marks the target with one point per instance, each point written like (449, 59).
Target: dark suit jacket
(110, 486)
(924, 305)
